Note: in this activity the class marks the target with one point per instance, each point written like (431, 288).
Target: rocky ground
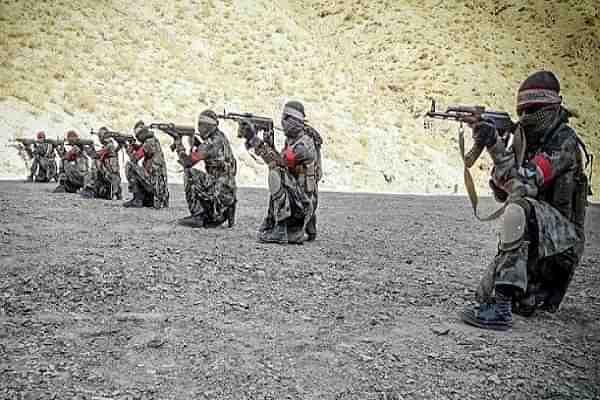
(101, 302)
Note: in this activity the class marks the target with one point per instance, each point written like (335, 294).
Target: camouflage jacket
(216, 153)
(45, 150)
(75, 156)
(106, 158)
(552, 176)
(298, 157)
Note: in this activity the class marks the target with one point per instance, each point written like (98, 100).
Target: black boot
(87, 194)
(266, 225)
(496, 316)
(136, 202)
(60, 189)
(231, 215)
(276, 235)
(193, 221)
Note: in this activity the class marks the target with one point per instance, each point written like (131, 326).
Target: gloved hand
(499, 194)
(484, 131)
(246, 130)
(185, 161)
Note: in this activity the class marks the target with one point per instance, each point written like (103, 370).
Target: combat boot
(193, 221)
(231, 215)
(496, 316)
(295, 236)
(276, 235)
(60, 189)
(87, 194)
(136, 202)
(266, 225)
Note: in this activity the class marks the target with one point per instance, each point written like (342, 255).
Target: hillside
(364, 70)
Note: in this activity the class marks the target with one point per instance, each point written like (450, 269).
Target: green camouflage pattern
(213, 192)
(104, 178)
(150, 178)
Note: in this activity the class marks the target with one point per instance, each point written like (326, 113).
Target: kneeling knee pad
(513, 227)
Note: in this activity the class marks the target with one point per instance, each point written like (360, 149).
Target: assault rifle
(500, 119)
(120, 138)
(54, 142)
(264, 124)
(175, 131)
(80, 142)
(25, 142)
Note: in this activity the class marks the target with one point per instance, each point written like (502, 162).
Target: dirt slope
(365, 71)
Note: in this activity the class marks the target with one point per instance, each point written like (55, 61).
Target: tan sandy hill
(364, 70)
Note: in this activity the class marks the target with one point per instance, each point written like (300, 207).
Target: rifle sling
(518, 149)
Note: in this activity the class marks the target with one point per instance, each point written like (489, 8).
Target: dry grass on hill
(365, 71)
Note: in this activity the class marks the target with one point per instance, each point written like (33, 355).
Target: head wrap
(542, 88)
(72, 135)
(41, 135)
(294, 109)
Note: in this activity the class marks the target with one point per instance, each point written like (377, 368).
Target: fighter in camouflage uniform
(103, 181)
(74, 167)
(292, 179)
(43, 166)
(542, 234)
(147, 182)
(211, 195)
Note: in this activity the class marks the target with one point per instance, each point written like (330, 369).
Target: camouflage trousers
(103, 183)
(209, 195)
(152, 187)
(43, 169)
(542, 266)
(71, 177)
(289, 203)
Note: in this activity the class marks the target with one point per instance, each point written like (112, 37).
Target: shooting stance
(147, 182)
(543, 185)
(293, 178)
(103, 180)
(210, 195)
(74, 163)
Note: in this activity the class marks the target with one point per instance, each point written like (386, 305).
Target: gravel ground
(102, 302)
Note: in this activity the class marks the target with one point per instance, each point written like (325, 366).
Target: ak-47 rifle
(500, 119)
(54, 142)
(23, 147)
(503, 124)
(80, 142)
(25, 141)
(175, 131)
(120, 138)
(264, 124)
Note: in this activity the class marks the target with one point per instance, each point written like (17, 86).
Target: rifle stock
(25, 141)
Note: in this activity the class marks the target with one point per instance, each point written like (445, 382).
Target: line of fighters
(542, 184)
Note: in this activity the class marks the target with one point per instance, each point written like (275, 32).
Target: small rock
(440, 330)
(494, 379)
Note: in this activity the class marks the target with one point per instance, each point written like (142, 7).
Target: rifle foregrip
(473, 155)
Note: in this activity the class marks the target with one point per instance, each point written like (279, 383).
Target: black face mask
(141, 134)
(536, 123)
(292, 127)
(205, 130)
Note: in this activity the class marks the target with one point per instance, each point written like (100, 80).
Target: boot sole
(492, 326)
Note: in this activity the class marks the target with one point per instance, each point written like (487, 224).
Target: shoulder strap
(519, 145)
